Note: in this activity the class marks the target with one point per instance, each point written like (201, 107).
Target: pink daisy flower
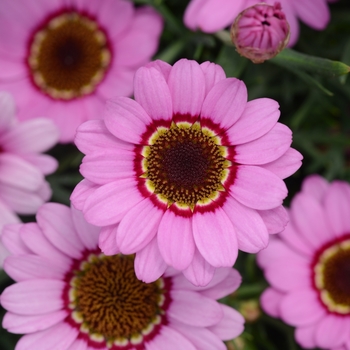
(188, 173)
(70, 296)
(23, 188)
(213, 15)
(67, 57)
(308, 266)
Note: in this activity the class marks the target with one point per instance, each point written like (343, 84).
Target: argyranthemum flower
(188, 173)
(308, 266)
(69, 295)
(23, 188)
(63, 59)
(213, 15)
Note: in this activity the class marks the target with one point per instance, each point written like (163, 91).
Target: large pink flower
(63, 59)
(23, 188)
(308, 266)
(188, 173)
(70, 296)
(213, 15)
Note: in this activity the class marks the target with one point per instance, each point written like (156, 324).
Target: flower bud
(260, 32)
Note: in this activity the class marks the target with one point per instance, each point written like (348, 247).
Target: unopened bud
(260, 32)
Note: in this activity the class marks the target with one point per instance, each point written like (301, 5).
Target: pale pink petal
(286, 165)
(270, 301)
(305, 335)
(60, 336)
(225, 102)
(332, 331)
(4, 253)
(315, 186)
(194, 309)
(133, 235)
(149, 265)
(152, 93)
(21, 324)
(79, 344)
(93, 137)
(109, 203)
(175, 240)
(169, 339)
(81, 192)
(56, 222)
(199, 272)
(258, 118)
(301, 308)
(7, 110)
(161, 66)
(10, 238)
(107, 240)
(265, 149)
(44, 192)
(202, 338)
(187, 87)
(251, 231)
(215, 237)
(275, 219)
(27, 267)
(258, 188)
(213, 73)
(35, 135)
(126, 119)
(230, 326)
(45, 163)
(34, 297)
(314, 13)
(7, 216)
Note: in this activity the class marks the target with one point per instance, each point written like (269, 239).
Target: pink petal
(56, 222)
(270, 301)
(175, 240)
(81, 192)
(34, 297)
(301, 308)
(187, 87)
(45, 163)
(315, 14)
(305, 336)
(7, 216)
(215, 237)
(108, 204)
(107, 240)
(21, 324)
(315, 186)
(252, 235)
(133, 235)
(149, 265)
(79, 344)
(60, 336)
(11, 239)
(225, 102)
(194, 309)
(286, 165)
(126, 119)
(275, 219)
(257, 119)
(161, 66)
(230, 326)
(152, 93)
(258, 188)
(267, 148)
(7, 108)
(213, 73)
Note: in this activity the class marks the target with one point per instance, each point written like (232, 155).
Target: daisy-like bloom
(67, 57)
(186, 174)
(23, 188)
(213, 15)
(308, 266)
(260, 32)
(69, 295)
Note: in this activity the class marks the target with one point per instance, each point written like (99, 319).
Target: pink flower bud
(260, 32)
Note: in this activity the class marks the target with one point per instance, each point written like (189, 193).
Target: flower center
(68, 56)
(185, 165)
(109, 304)
(332, 277)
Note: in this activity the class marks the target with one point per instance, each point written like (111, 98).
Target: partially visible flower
(260, 32)
(67, 57)
(70, 296)
(308, 266)
(188, 173)
(213, 15)
(23, 188)
(250, 310)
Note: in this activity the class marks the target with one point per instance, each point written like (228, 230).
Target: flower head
(308, 266)
(66, 58)
(23, 188)
(186, 174)
(213, 15)
(260, 32)
(70, 296)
